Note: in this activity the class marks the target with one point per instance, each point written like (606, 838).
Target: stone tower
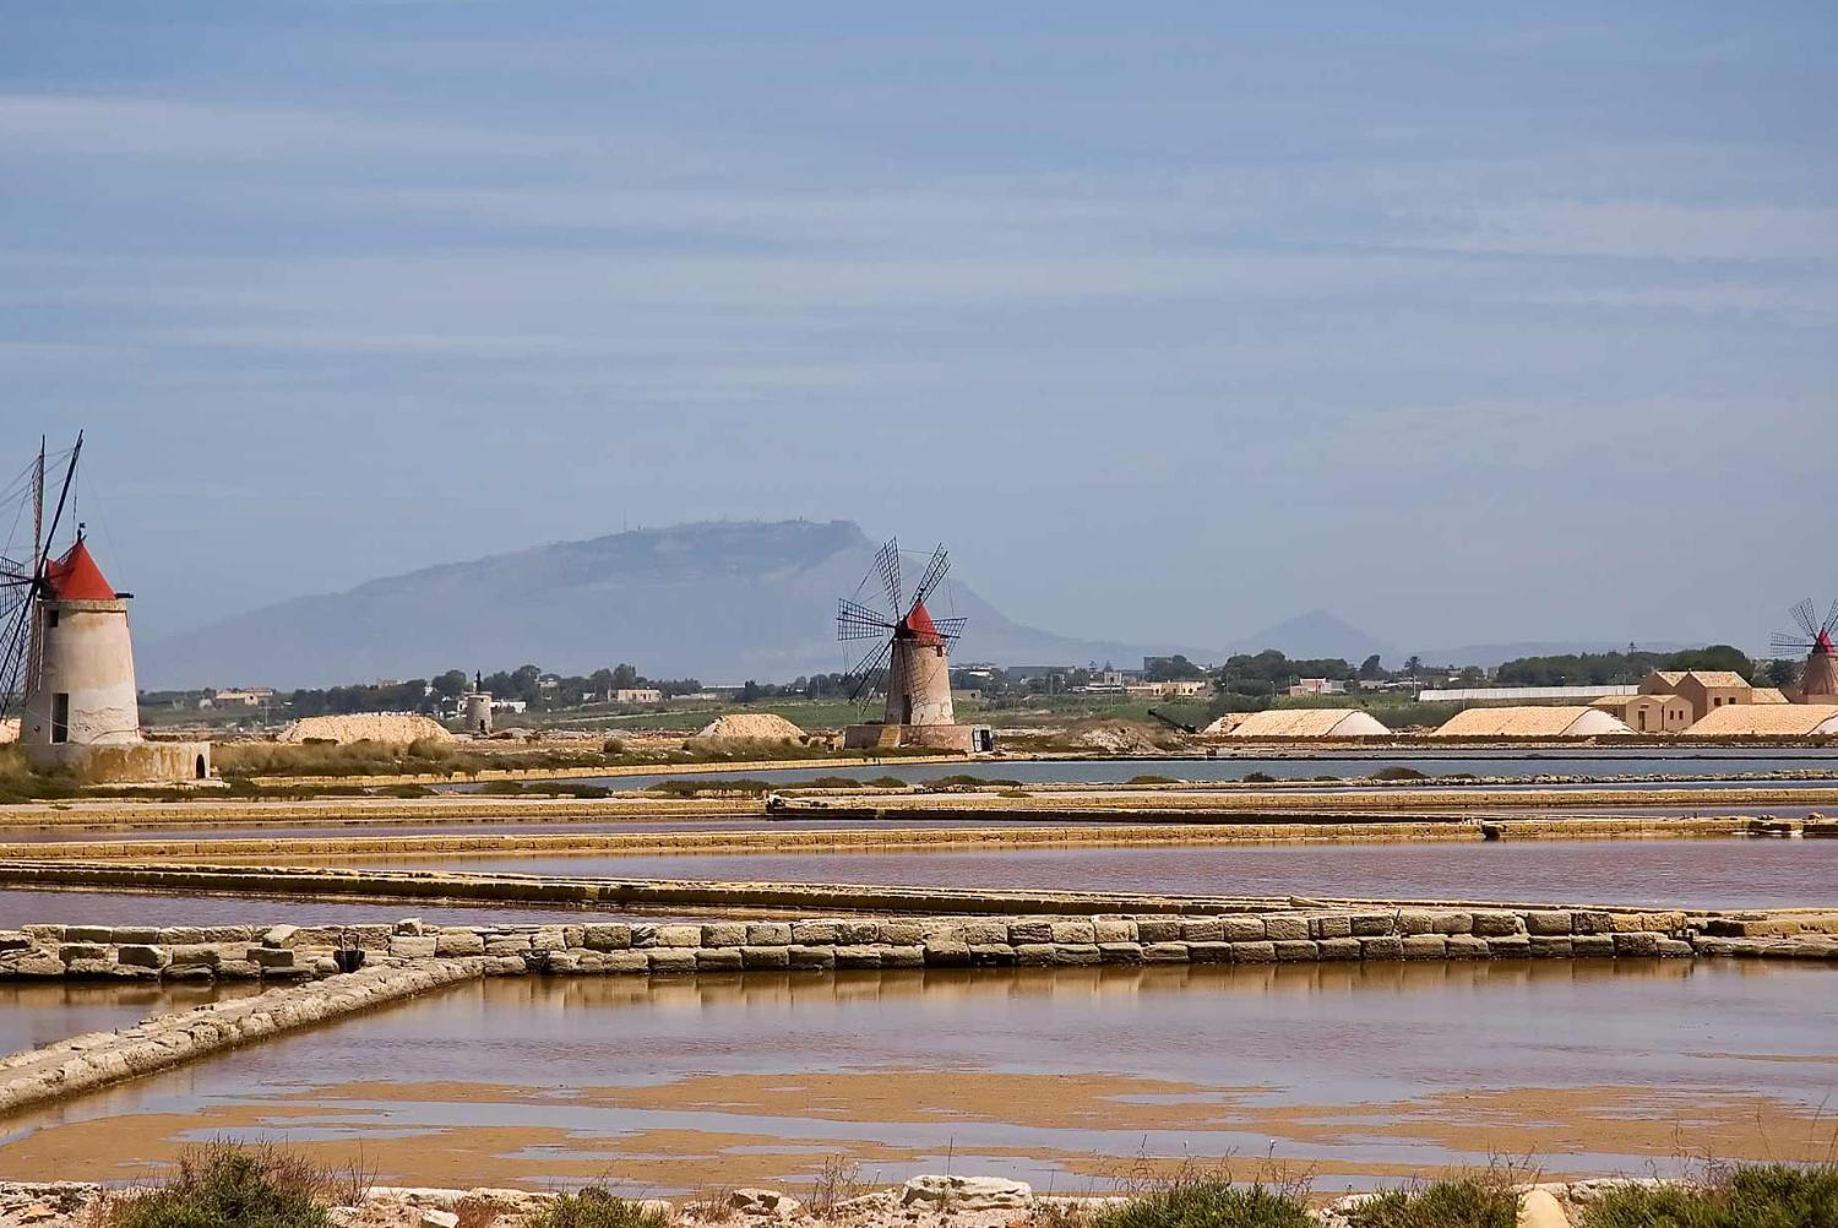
(79, 684)
(475, 708)
(919, 673)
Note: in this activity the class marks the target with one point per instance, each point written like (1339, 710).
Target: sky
(1470, 323)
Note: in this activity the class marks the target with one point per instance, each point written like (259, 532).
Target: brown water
(33, 1014)
(1063, 1077)
(1701, 873)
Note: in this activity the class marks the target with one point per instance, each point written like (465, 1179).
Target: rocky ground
(932, 1201)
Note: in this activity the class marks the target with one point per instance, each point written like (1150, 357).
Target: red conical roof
(919, 625)
(75, 577)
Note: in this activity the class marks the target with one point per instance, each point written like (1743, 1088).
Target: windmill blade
(15, 617)
(1831, 619)
(934, 572)
(1780, 641)
(887, 562)
(950, 628)
(855, 621)
(860, 680)
(1803, 612)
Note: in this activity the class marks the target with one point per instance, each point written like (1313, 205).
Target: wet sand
(1727, 873)
(1063, 1078)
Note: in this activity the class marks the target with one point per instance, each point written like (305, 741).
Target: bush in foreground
(1464, 1202)
(1758, 1196)
(595, 1207)
(1209, 1204)
(227, 1185)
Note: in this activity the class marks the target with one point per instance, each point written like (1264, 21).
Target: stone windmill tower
(1818, 682)
(67, 654)
(910, 661)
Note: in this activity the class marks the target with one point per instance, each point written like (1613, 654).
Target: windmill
(24, 580)
(1819, 674)
(909, 655)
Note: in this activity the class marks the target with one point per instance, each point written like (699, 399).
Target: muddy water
(34, 1014)
(1063, 1078)
(1700, 873)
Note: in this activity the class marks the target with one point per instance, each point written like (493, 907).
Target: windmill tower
(1818, 683)
(910, 661)
(67, 655)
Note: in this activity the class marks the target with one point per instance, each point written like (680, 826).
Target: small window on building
(50, 619)
(60, 717)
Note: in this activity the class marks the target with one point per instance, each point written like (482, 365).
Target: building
(1648, 713)
(248, 697)
(635, 695)
(1309, 723)
(1767, 721)
(1705, 690)
(81, 710)
(1318, 686)
(1555, 721)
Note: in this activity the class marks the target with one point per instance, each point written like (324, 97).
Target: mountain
(722, 602)
(1315, 634)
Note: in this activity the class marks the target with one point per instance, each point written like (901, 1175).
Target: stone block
(280, 936)
(1120, 952)
(507, 944)
(48, 935)
(899, 933)
(724, 934)
(981, 932)
(267, 958)
(1209, 952)
(1033, 954)
(1164, 952)
(644, 935)
(1592, 922)
(1593, 945)
(138, 935)
(1158, 929)
(1496, 924)
(946, 953)
(1295, 951)
(963, 1194)
(1202, 929)
(1371, 924)
(71, 952)
(1467, 946)
(858, 955)
(1253, 952)
(412, 947)
(671, 959)
(31, 965)
(237, 970)
(719, 959)
(1286, 927)
(1414, 921)
(765, 957)
(1548, 923)
(1080, 955)
(1510, 946)
(189, 972)
(550, 938)
(807, 956)
(1381, 947)
(611, 936)
(1113, 929)
(196, 955)
(1675, 948)
(768, 934)
(453, 941)
(1077, 933)
(98, 935)
(903, 956)
(992, 955)
(857, 932)
(679, 936)
(1330, 925)
(142, 955)
(1454, 923)
(1338, 948)
(815, 933)
(1551, 946)
(1242, 929)
(624, 962)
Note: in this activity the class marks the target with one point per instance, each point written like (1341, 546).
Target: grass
(595, 1207)
(697, 788)
(1749, 1196)
(1487, 1200)
(228, 1185)
(1209, 1203)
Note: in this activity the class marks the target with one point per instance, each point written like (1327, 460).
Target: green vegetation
(1755, 1196)
(1209, 1203)
(595, 1207)
(228, 1185)
(1484, 1201)
(697, 786)
(1150, 778)
(1397, 771)
(1617, 668)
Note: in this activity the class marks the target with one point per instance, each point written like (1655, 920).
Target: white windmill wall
(476, 709)
(85, 654)
(919, 685)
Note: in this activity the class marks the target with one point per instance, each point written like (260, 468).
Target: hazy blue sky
(1173, 319)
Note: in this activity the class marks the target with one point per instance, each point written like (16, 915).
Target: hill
(723, 602)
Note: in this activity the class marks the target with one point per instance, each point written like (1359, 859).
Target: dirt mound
(749, 727)
(396, 728)
(1226, 723)
(1119, 737)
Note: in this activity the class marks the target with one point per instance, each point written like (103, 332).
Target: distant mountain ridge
(721, 601)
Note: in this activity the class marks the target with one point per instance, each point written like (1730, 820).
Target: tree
(1413, 665)
(1370, 670)
(451, 683)
(625, 675)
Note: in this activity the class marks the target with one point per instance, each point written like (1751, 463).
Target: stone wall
(287, 952)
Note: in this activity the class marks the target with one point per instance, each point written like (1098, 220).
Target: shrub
(227, 1185)
(834, 782)
(1150, 778)
(888, 782)
(595, 1207)
(1465, 1202)
(1754, 1196)
(1397, 771)
(1209, 1204)
(1259, 778)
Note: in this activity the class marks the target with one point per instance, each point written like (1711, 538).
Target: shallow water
(1058, 1077)
(19, 908)
(33, 1014)
(1725, 873)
